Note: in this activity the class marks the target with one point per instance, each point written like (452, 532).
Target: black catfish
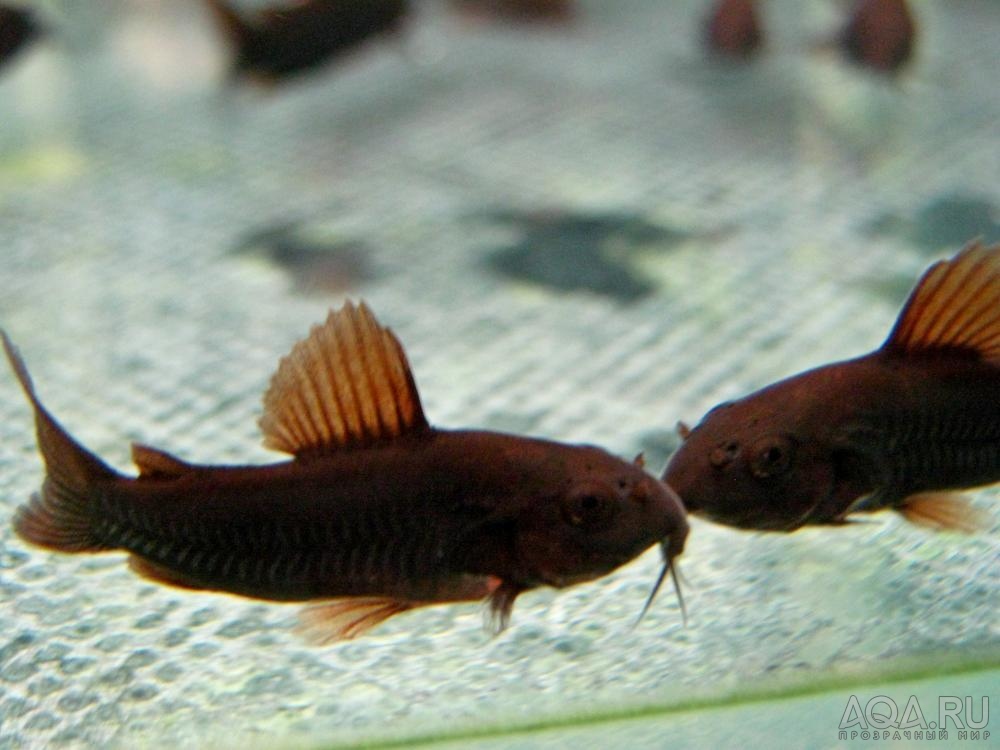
(377, 511)
(899, 428)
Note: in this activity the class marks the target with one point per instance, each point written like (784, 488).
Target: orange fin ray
(347, 618)
(346, 385)
(944, 511)
(955, 305)
(350, 616)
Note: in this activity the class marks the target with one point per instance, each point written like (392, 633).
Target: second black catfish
(899, 428)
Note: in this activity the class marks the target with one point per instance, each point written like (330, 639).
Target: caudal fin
(60, 517)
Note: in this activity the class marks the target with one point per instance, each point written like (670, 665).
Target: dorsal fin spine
(955, 305)
(346, 385)
(374, 357)
(389, 416)
(355, 413)
(314, 409)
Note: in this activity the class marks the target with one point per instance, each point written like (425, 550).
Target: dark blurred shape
(572, 252)
(18, 27)
(316, 264)
(880, 34)
(733, 30)
(518, 11)
(944, 222)
(282, 41)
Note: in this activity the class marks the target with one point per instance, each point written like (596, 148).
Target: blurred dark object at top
(281, 41)
(733, 30)
(319, 261)
(568, 251)
(518, 11)
(935, 226)
(18, 27)
(880, 34)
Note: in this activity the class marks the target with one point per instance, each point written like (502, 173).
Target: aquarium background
(583, 231)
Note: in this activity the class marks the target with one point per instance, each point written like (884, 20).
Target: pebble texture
(165, 239)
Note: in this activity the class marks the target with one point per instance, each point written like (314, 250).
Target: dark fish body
(400, 518)
(880, 34)
(899, 428)
(18, 28)
(283, 41)
(733, 29)
(377, 513)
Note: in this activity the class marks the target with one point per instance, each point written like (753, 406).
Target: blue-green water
(585, 233)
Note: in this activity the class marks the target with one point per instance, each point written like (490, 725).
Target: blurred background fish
(18, 28)
(285, 40)
(880, 34)
(733, 29)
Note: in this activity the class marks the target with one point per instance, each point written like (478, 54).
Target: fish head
(748, 467)
(601, 513)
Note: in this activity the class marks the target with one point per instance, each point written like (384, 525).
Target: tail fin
(61, 516)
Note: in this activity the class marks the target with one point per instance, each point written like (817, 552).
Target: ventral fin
(153, 463)
(347, 385)
(347, 618)
(943, 511)
(500, 605)
(955, 305)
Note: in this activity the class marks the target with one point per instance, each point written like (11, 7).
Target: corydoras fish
(377, 513)
(281, 41)
(902, 427)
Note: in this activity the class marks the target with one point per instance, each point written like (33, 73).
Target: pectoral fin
(943, 511)
(501, 604)
(955, 306)
(347, 385)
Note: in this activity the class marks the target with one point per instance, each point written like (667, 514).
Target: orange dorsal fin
(152, 462)
(346, 385)
(955, 305)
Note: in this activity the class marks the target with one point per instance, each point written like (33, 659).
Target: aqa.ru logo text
(881, 719)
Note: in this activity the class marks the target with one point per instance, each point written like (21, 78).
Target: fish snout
(671, 517)
(685, 479)
(676, 539)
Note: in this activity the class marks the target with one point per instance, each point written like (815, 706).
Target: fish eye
(588, 507)
(724, 454)
(772, 457)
